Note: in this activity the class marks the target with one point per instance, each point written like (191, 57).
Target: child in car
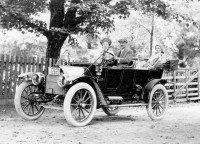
(140, 63)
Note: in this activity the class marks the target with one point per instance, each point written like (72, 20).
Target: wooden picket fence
(12, 66)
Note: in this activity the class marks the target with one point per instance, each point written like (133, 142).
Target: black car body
(83, 87)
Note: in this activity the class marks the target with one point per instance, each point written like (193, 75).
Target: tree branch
(26, 21)
(57, 13)
(145, 28)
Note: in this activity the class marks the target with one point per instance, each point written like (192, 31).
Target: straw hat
(106, 40)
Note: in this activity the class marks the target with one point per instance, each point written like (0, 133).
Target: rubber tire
(17, 102)
(67, 103)
(110, 112)
(149, 106)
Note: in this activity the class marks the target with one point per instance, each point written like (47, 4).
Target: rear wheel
(27, 101)
(158, 102)
(80, 104)
(111, 111)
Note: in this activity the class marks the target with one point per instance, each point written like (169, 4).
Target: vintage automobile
(81, 88)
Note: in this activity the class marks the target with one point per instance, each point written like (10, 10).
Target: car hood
(73, 70)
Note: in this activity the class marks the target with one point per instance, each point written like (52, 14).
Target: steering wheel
(108, 62)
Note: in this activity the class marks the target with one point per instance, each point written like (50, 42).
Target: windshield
(82, 55)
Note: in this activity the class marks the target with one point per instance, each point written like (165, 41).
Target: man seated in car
(125, 54)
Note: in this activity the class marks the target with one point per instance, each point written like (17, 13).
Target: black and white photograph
(99, 71)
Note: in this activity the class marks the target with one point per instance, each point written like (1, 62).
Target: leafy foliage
(67, 17)
(86, 17)
(16, 14)
(81, 16)
(16, 43)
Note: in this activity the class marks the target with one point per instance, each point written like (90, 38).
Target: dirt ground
(181, 125)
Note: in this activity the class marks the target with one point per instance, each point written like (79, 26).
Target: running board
(115, 98)
(129, 105)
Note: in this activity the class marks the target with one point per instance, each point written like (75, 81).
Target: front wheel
(27, 101)
(80, 104)
(158, 102)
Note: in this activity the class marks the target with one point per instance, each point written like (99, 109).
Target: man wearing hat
(124, 55)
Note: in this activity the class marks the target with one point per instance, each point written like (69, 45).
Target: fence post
(16, 59)
(33, 64)
(29, 64)
(20, 64)
(187, 75)
(198, 83)
(46, 65)
(37, 64)
(6, 86)
(11, 77)
(42, 66)
(1, 76)
(174, 77)
(25, 65)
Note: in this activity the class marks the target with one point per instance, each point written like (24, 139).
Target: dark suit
(125, 57)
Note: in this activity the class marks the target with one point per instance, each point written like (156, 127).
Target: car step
(115, 98)
(129, 105)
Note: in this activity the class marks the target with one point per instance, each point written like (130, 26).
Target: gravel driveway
(181, 125)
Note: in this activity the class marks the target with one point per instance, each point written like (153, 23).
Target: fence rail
(184, 84)
(12, 66)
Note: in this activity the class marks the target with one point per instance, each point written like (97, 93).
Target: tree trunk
(55, 41)
(54, 46)
(89, 45)
(181, 54)
(60, 19)
(151, 34)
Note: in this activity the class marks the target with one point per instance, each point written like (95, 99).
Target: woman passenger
(106, 42)
(157, 58)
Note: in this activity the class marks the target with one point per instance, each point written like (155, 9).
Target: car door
(113, 78)
(123, 81)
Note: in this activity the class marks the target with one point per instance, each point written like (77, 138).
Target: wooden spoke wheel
(80, 104)
(158, 102)
(27, 101)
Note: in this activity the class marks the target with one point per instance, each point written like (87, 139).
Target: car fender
(96, 87)
(73, 78)
(149, 86)
(29, 75)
